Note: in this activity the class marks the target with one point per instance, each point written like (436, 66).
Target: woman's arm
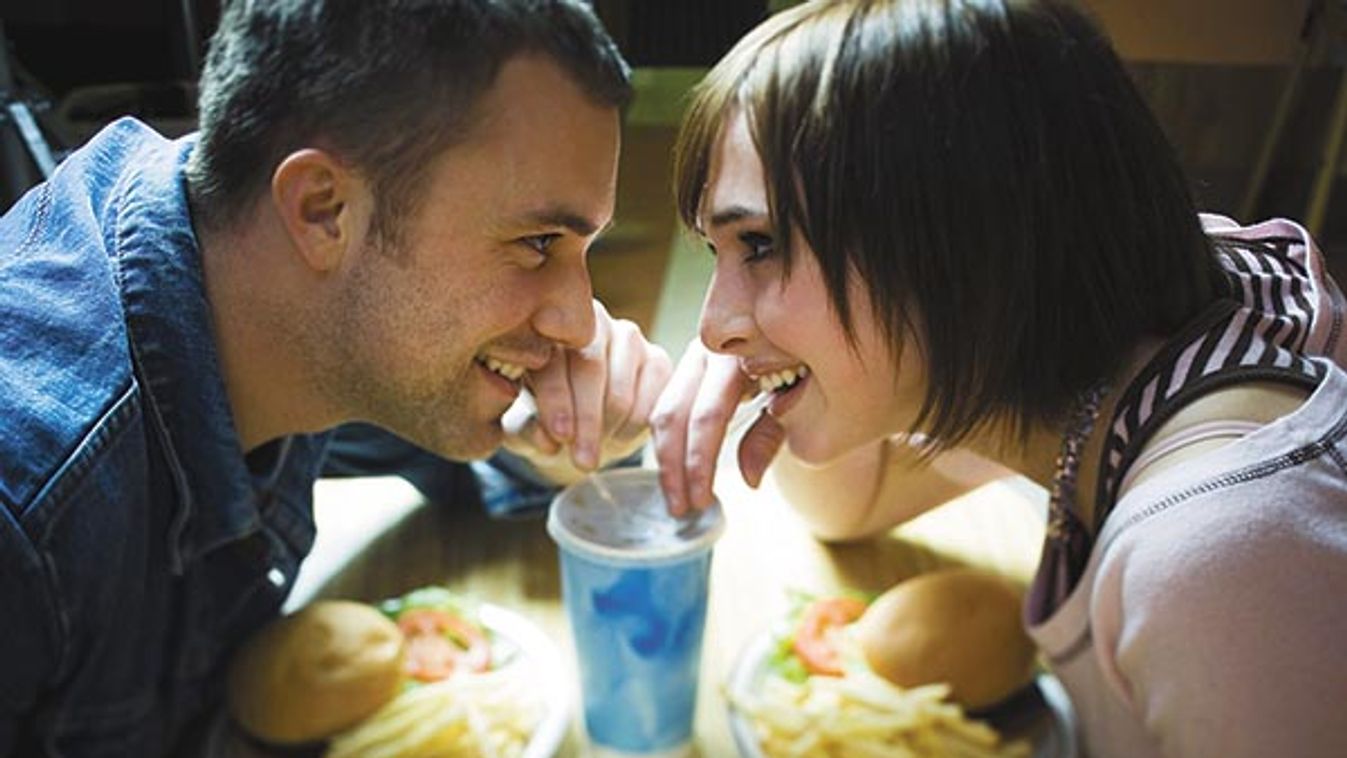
(858, 495)
(1219, 620)
(868, 491)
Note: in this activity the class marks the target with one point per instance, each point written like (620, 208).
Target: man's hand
(690, 423)
(589, 406)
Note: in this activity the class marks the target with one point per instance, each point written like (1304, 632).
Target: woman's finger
(721, 388)
(758, 447)
(668, 423)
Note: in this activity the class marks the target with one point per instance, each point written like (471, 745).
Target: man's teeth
(782, 380)
(508, 370)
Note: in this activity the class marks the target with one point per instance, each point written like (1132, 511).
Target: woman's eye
(758, 245)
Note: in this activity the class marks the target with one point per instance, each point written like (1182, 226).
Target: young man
(384, 217)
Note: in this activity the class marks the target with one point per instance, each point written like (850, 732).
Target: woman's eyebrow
(734, 213)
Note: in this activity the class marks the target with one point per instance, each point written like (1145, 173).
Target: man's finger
(656, 371)
(626, 356)
(551, 388)
(588, 373)
(523, 428)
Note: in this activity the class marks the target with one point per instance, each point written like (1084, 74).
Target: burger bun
(958, 626)
(316, 672)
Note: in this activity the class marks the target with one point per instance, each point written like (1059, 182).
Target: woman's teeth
(782, 380)
(508, 370)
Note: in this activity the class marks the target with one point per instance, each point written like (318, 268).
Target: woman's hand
(690, 422)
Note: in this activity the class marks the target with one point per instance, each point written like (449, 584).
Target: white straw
(743, 415)
(597, 480)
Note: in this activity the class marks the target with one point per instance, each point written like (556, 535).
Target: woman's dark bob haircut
(987, 170)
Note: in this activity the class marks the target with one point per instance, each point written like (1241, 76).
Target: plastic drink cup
(634, 582)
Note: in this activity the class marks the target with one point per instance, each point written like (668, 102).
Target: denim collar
(173, 344)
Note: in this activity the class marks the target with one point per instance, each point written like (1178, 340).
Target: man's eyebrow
(565, 218)
(733, 213)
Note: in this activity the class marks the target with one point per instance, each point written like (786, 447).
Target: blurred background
(1252, 93)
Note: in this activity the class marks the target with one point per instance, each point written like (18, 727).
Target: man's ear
(319, 200)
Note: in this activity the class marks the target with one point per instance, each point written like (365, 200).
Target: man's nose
(567, 315)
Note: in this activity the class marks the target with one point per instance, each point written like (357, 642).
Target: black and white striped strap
(1259, 333)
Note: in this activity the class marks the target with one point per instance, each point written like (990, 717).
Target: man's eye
(540, 242)
(759, 245)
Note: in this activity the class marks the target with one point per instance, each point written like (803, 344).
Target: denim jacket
(138, 543)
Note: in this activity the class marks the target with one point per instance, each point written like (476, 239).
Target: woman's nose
(727, 316)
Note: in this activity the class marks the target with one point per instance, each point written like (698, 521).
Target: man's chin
(482, 442)
(451, 431)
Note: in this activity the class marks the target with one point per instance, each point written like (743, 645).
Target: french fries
(485, 715)
(862, 715)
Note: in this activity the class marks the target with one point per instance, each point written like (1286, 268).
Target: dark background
(78, 64)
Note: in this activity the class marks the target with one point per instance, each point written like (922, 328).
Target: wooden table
(377, 538)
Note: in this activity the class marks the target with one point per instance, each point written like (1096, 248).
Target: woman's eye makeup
(756, 245)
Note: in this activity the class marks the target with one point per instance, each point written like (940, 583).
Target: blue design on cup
(634, 582)
(639, 631)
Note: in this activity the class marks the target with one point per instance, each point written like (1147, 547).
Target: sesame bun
(958, 626)
(316, 672)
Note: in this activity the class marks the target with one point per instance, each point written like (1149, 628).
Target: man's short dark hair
(387, 85)
(989, 173)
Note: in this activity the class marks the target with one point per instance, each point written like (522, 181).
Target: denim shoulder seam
(39, 218)
(1324, 446)
(117, 194)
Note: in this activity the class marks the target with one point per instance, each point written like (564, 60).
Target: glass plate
(1040, 714)
(536, 650)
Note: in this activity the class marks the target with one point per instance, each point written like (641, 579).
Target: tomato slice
(440, 642)
(819, 625)
(430, 658)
